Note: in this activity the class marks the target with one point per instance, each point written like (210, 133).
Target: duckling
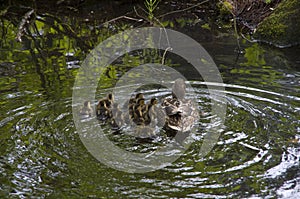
(133, 102)
(152, 103)
(109, 100)
(133, 108)
(136, 98)
(155, 115)
(149, 111)
(103, 110)
(137, 115)
(86, 110)
(181, 113)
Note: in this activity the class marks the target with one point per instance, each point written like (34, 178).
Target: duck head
(178, 89)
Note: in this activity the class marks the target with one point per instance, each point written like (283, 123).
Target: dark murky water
(257, 154)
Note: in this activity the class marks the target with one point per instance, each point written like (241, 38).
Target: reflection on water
(257, 154)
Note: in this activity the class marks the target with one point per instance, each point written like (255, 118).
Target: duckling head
(149, 106)
(102, 104)
(141, 101)
(139, 96)
(178, 89)
(153, 101)
(110, 97)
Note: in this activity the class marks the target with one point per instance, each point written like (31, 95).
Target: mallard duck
(181, 113)
(103, 109)
(86, 110)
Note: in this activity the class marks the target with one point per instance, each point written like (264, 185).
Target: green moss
(225, 8)
(283, 26)
(254, 56)
(206, 26)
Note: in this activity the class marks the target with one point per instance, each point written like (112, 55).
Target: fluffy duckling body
(134, 103)
(133, 108)
(138, 109)
(140, 113)
(150, 112)
(134, 99)
(103, 110)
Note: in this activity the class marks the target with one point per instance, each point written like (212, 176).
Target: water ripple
(254, 144)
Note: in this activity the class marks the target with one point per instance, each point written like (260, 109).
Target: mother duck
(181, 113)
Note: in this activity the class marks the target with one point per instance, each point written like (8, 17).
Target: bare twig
(249, 40)
(145, 18)
(122, 17)
(164, 55)
(188, 8)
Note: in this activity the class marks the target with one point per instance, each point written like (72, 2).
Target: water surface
(257, 154)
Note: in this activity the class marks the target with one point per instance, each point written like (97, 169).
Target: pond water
(257, 154)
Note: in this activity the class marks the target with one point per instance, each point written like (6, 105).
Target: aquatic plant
(151, 5)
